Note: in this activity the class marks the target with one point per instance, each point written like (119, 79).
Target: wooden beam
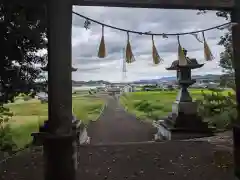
(165, 4)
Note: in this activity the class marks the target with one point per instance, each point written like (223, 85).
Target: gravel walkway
(115, 125)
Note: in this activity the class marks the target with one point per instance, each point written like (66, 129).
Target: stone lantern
(184, 78)
(184, 121)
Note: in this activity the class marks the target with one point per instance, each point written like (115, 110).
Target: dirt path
(116, 126)
(171, 160)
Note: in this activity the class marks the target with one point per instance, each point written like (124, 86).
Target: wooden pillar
(235, 16)
(59, 148)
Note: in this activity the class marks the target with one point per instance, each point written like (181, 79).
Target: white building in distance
(128, 88)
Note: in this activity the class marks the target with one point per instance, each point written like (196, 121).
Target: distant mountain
(208, 76)
(155, 81)
(89, 83)
(212, 77)
(170, 78)
(77, 83)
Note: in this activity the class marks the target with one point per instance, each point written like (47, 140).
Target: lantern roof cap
(191, 64)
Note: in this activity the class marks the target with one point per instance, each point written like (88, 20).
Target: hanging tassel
(207, 52)
(181, 56)
(102, 49)
(129, 55)
(124, 67)
(156, 58)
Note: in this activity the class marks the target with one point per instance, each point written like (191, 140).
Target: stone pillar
(59, 147)
(236, 63)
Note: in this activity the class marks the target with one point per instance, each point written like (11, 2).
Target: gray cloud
(86, 42)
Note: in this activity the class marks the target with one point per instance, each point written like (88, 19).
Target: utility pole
(124, 68)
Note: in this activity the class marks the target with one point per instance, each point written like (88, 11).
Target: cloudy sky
(85, 42)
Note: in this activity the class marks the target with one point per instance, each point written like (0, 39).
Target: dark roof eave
(194, 66)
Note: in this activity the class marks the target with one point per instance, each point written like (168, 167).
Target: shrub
(157, 106)
(218, 109)
(155, 115)
(223, 120)
(153, 110)
(26, 98)
(143, 105)
(6, 142)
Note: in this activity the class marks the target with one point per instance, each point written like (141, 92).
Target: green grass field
(160, 102)
(28, 115)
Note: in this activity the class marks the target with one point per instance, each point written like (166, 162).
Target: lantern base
(184, 123)
(183, 127)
